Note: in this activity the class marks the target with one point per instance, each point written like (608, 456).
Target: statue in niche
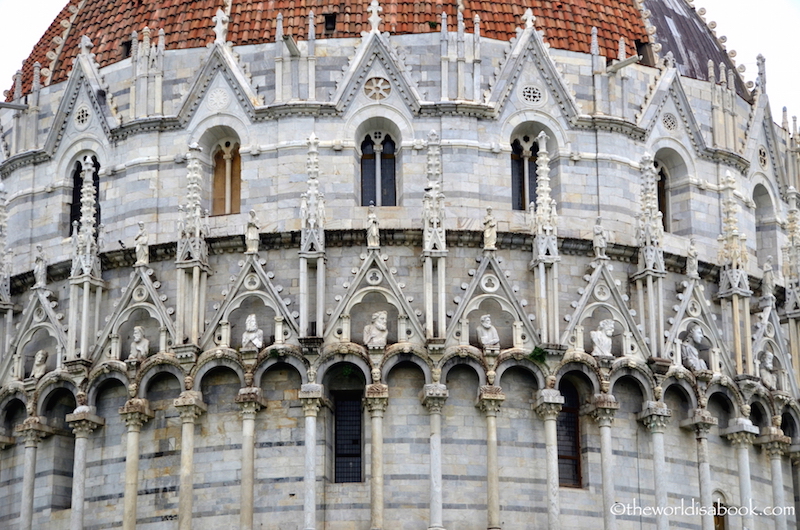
(251, 237)
(489, 231)
(487, 333)
(39, 364)
(768, 280)
(373, 233)
(690, 349)
(252, 336)
(601, 338)
(15, 368)
(691, 260)
(767, 370)
(140, 346)
(375, 333)
(40, 268)
(142, 248)
(599, 240)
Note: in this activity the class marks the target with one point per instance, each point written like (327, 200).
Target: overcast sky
(768, 27)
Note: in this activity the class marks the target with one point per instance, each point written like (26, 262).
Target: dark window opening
(646, 52)
(347, 439)
(330, 22)
(719, 520)
(569, 438)
(369, 171)
(663, 198)
(520, 197)
(126, 48)
(77, 184)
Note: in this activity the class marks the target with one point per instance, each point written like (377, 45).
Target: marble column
(32, 431)
(190, 405)
(794, 453)
(603, 410)
(776, 445)
(433, 398)
(655, 417)
(742, 434)
(700, 422)
(489, 400)
(250, 401)
(135, 412)
(311, 397)
(548, 405)
(83, 423)
(377, 399)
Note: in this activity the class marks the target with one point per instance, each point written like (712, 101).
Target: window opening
(227, 179)
(569, 438)
(330, 22)
(523, 173)
(347, 439)
(77, 185)
(663, 194)
(378, 177)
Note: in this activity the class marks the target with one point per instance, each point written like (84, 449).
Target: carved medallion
(377, 88)
(218, 99)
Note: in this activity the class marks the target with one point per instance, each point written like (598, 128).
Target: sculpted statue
(767, 370)
(252, 336)
(768, 280)
(487, 333)
(39, 364)
(373, 233)
(690, 349)
(376, 332)
(599, 240)
(40, 268)
(601, 338)
(251, 237)
(140, 346)
(142, 248)
(691, 260)
(489, 231)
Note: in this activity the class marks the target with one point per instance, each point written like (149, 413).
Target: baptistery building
(460, 265)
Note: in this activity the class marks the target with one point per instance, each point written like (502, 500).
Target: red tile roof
(187, 23)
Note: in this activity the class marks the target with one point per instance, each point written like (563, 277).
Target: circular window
(82, 117)
(670, 121)
(762, 156)
(377, 88)
(532, 94)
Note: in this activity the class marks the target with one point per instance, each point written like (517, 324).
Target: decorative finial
(595, 47)
(762, 73)
(85, 45)
(528, 18)
(621, 50)
(220, 26)
(374, 18)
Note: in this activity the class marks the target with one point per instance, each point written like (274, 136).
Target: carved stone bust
(375, 333)
(252, 336)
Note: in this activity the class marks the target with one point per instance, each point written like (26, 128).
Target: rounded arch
(212, 129)
(518, 120)
(237, 302)
(674, 156)
(267, 363)
(100, 379)
(156, 369)
(217, 362)
(760, 412)
(457, 360)
(673, 384)
(525, 364)
(726, 397)
(378, 117)
(401, 356)
(790, 423)
(49, 388)
(767, 226)
(85, 145)
(11, 397)
(329, 362)
(582, 371)
(643, 379)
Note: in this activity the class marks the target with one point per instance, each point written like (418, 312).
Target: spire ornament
(650, 225)
(312, 204)
(85, 260)
(543, 213)
(433, 238)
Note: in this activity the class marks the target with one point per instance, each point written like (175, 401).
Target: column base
(436, 528)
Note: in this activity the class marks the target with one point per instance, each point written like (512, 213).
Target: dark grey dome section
(680, 30)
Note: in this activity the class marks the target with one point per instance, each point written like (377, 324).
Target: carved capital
(250, 401)
(135, 412)
(434, 396)
(490, 398)
(377, 405)
(700, 422)
(741, 432)
(741, 438)
(777, 448)
(603, 409)
(33, 431)
(311, 397)
(655, 416)
(190, 405)
(84, 423)
(548, 403)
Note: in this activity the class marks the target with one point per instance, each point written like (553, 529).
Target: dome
(567, 25)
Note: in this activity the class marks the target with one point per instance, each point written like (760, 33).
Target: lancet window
(227, 183)
(77, 185)
(347, 439)
(523, 171)
(378, 172)
(569, 437)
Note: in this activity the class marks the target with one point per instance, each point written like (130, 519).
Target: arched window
(378, 176)
(523, 172)
(663, 193)
(227, 178)
(569, 437)
(77, 185)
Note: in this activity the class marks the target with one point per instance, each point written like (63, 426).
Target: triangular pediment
(219, 84)
(375, 57)
(761, 133)
(602, 299)
(670, 97)
(694, 307)
(374, 278)
(768, 336)
(141, 293)
(252, 282)
(529, 49)
(490, 290)
(81, 92)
